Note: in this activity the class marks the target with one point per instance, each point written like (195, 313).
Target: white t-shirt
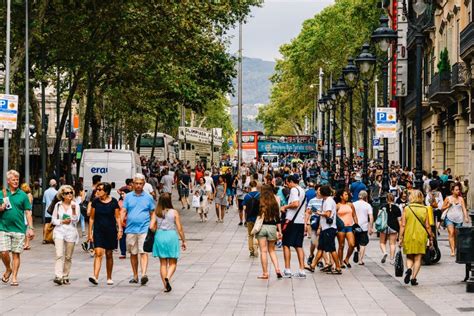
(329, 205)
(208, 183)
(148, 188)
(296, 194)
(363, 209)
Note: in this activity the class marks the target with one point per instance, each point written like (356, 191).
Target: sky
(275, 23)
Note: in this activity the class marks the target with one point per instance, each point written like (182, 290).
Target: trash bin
(465, 252)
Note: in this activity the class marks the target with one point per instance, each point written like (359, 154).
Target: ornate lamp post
(419, 22)
(322, 109)
(332, 94)
(341, 89)
(366, 64)
(384, 36)
(351, 77)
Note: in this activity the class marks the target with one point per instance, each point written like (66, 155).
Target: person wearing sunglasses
(64, 218)
(105, 230)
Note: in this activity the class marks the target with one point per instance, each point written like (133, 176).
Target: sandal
(5, 279)
(347, 264)
(133, 281)
(263, 277)
(168, 285)
(407, 278)
(14, 284)
(27, 248)
(336, 271)
(279, 275)
(326, 269)
(309, 268)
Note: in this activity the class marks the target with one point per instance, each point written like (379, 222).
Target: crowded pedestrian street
(215, 276)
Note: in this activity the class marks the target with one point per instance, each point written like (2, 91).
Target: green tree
(325, 41)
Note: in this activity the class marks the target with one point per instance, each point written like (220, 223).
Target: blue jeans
(123, 245)
(83, 223)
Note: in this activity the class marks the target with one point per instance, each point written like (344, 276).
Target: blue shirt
(314, 204)
(356, 187)
(138, 212)
(310, 194)
(48, 197)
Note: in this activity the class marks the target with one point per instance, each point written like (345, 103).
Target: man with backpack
(251, 208)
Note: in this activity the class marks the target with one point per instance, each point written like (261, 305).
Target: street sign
(231, 143)
(8, 111)
(386, 123)
(377, 144)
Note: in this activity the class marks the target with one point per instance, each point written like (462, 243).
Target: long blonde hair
(164, 203)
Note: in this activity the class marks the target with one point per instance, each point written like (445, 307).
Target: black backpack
(252, 206)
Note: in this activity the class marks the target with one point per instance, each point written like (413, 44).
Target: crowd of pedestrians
(279, 207)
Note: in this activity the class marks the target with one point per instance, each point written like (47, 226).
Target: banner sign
(217, 137)
(8, 111)
(192, 134)
(274, 147)
(386, 123)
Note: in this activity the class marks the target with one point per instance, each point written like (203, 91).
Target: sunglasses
(99, 189)
(66, 193)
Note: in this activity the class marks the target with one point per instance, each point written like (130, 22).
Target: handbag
(149, 241)
(49, 229)
(287, 222)
(399, 267)
(48, 233)
(258, 225)
(196, 201)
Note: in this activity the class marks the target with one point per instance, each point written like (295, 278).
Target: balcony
(458, 77)
(440, 88)
(466, 44)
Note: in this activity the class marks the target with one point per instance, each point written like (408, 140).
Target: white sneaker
(287, 274)
(299, 275)
(110, 282)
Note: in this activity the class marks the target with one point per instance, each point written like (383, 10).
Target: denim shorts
(346, 229)
(447, 222)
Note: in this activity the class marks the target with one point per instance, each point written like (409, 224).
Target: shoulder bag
(287, 222)
(257, 226)
(49, 228)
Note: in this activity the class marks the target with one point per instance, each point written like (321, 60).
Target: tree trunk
(72, 91)
(154, 139)
(89, 110)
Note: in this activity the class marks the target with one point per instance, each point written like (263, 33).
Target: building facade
(448, 72)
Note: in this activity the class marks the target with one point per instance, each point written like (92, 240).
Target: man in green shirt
(14, 208)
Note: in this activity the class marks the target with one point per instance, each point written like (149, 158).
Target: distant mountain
(256, 82)
(256, 91)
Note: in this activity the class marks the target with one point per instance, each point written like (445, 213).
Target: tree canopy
(126, 62)
(325, 41)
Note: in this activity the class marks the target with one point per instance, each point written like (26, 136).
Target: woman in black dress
(104, 230)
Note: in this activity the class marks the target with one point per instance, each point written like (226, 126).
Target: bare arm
(402, 229)
(91, 223)
(354, 214)
(180, 230)
(118, 223)
(464, 209)
(446, 204)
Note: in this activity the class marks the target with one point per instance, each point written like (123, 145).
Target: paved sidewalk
(216, 277)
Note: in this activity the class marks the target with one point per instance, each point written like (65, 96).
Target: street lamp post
(322, 110)
(384, 36)
(351, 77)
(332, 103)
(366, 64)
(341, 89)
(419, 24)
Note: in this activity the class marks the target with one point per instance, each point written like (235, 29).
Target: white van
(113, 165)
(271, 159)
